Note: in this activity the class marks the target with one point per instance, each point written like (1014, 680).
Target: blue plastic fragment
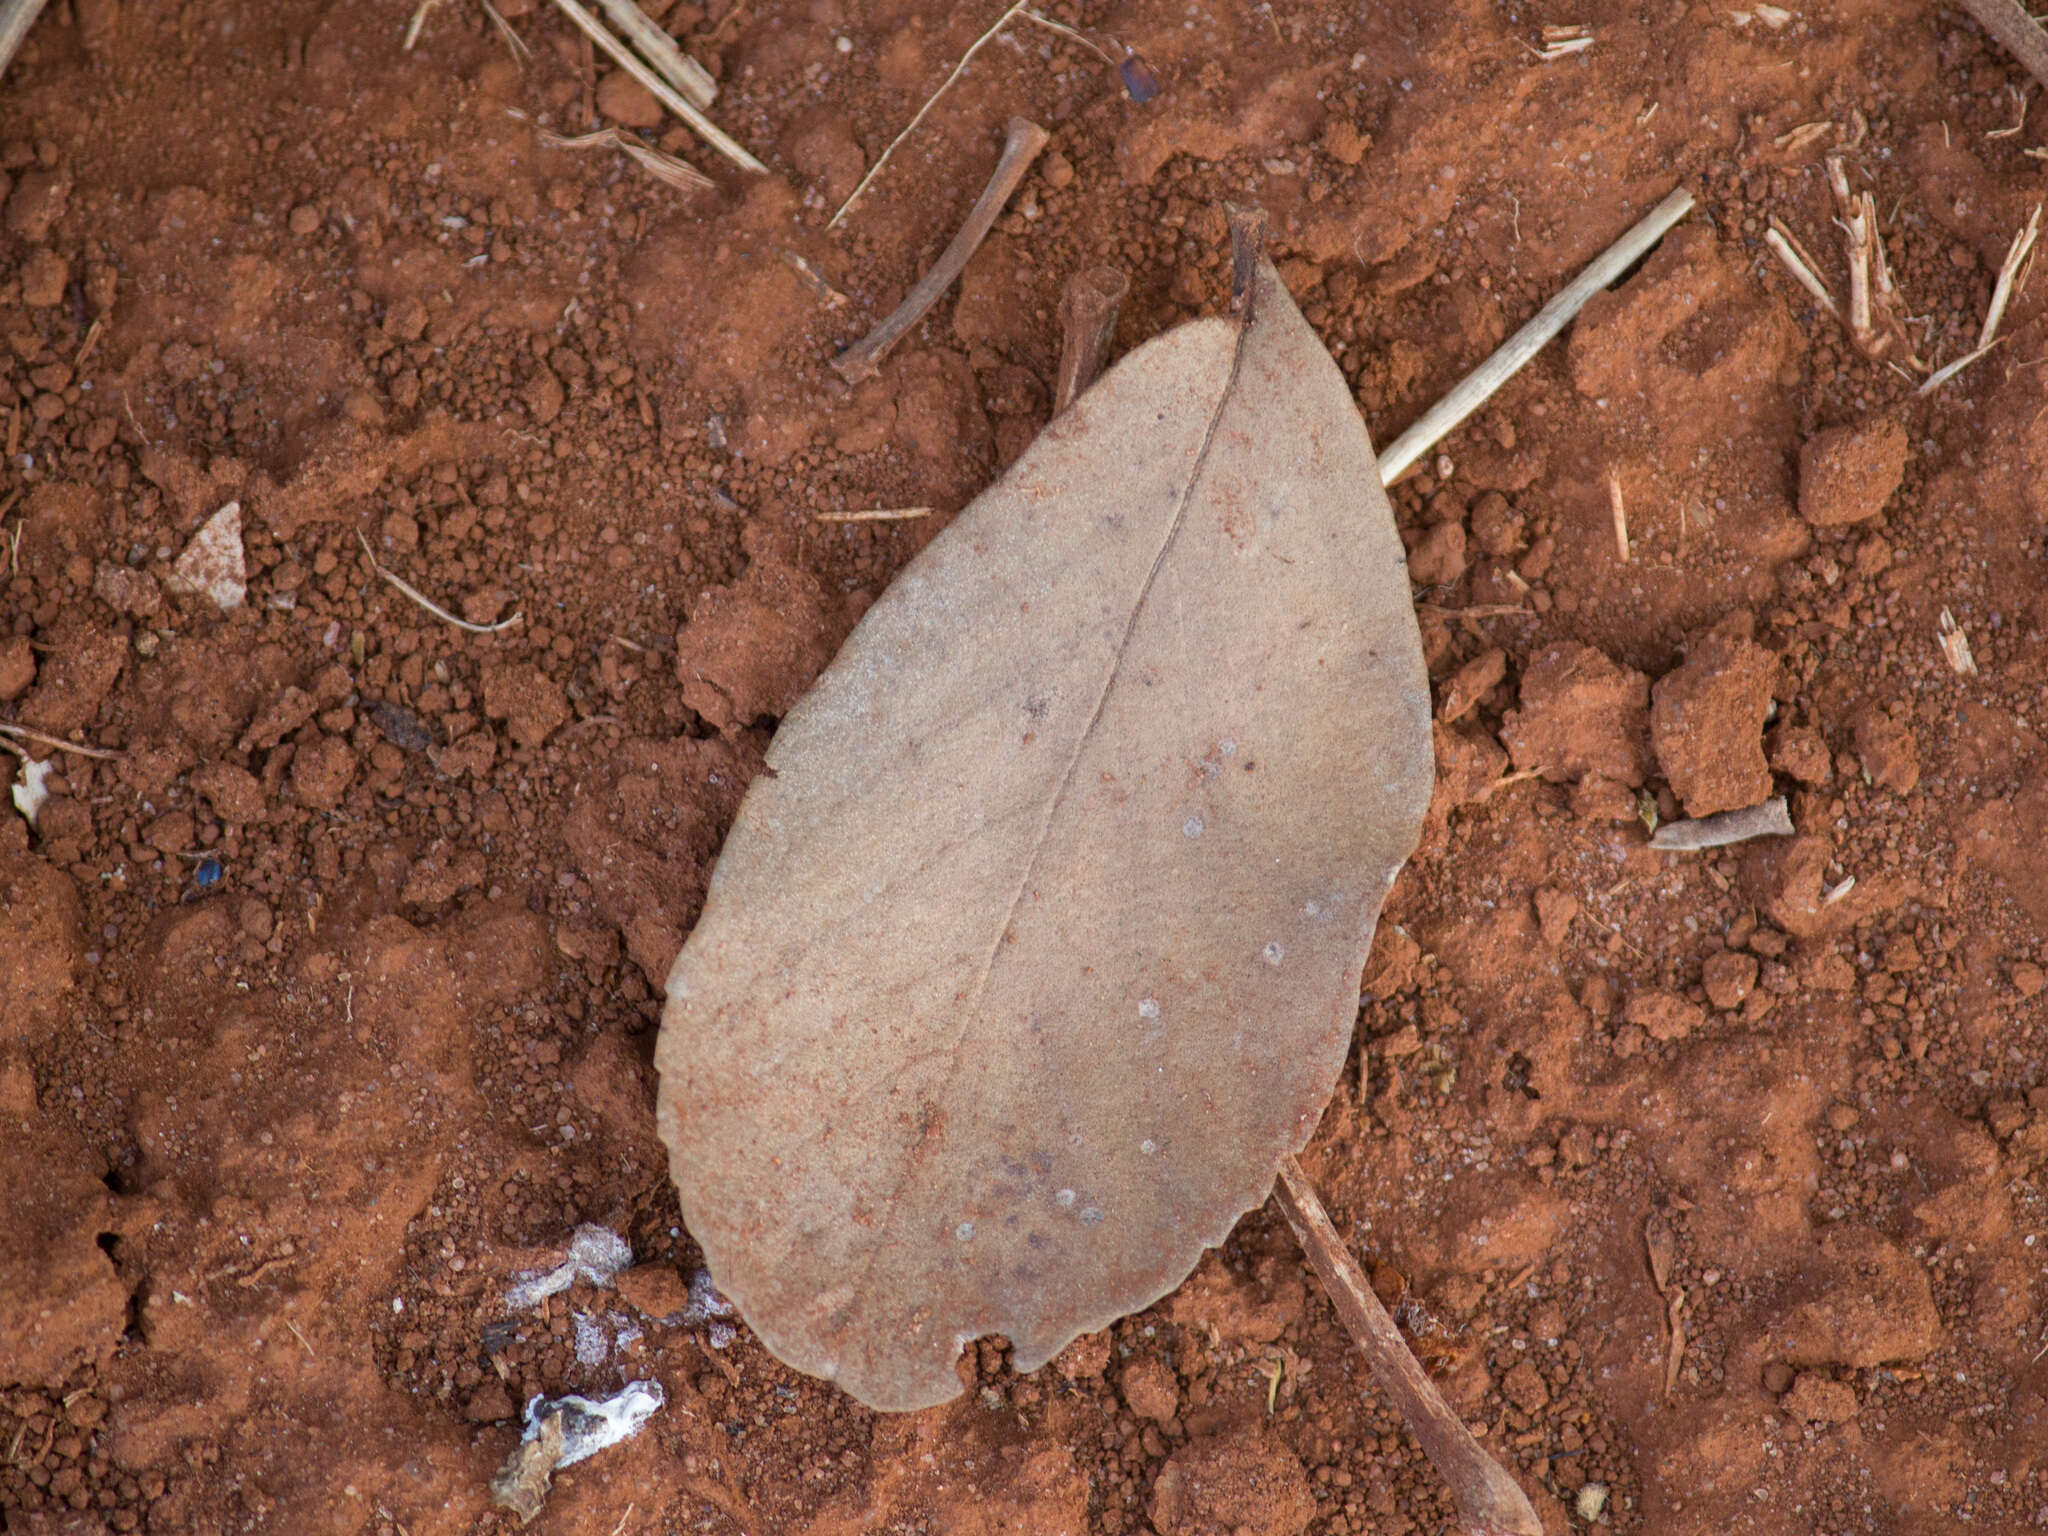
(1140, 84)
(208, 874)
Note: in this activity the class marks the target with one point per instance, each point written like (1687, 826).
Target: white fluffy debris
(595, 1254)
(592, 1426)
(705, 1301)
(212, 565)
(592, 1343)
(561, 1431)
(31, 792)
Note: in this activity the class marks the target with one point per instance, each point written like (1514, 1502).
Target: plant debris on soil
(328, 984)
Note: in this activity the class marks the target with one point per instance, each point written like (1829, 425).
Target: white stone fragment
(212, 565)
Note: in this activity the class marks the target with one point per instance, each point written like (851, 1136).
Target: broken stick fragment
(1490, 1502)
(1478, 386)
(1088, 311)
(1770, 819)
(2016, 30)
(862, 359)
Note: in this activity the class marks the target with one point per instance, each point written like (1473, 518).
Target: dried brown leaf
(1039, 949)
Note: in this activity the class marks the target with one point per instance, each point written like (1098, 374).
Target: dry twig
(910, 128)
(665, 93)
(2016, 31)
(1674, 1320)
(1020, 148)
(59, 743)
(1490, 1502)
(1478, 386)
(813, 278)
(427, 602)
(875, 515)
(1068, 32)
(679, 174)
(93, 333)
(1088, 311)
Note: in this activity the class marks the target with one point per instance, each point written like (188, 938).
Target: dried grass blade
(910, 128)
(514, 43)
(2008, 272)
(428, 603)
(1800, 265)
(660, 50)
(679, 174)
(1949, 370)
(665, 93)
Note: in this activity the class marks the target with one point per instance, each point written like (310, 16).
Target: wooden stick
(665, 93)
(1088, 310)
(1490, 1502)
(1478, 386)
(1020, 148)
(2016, 31)
(16, 17)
